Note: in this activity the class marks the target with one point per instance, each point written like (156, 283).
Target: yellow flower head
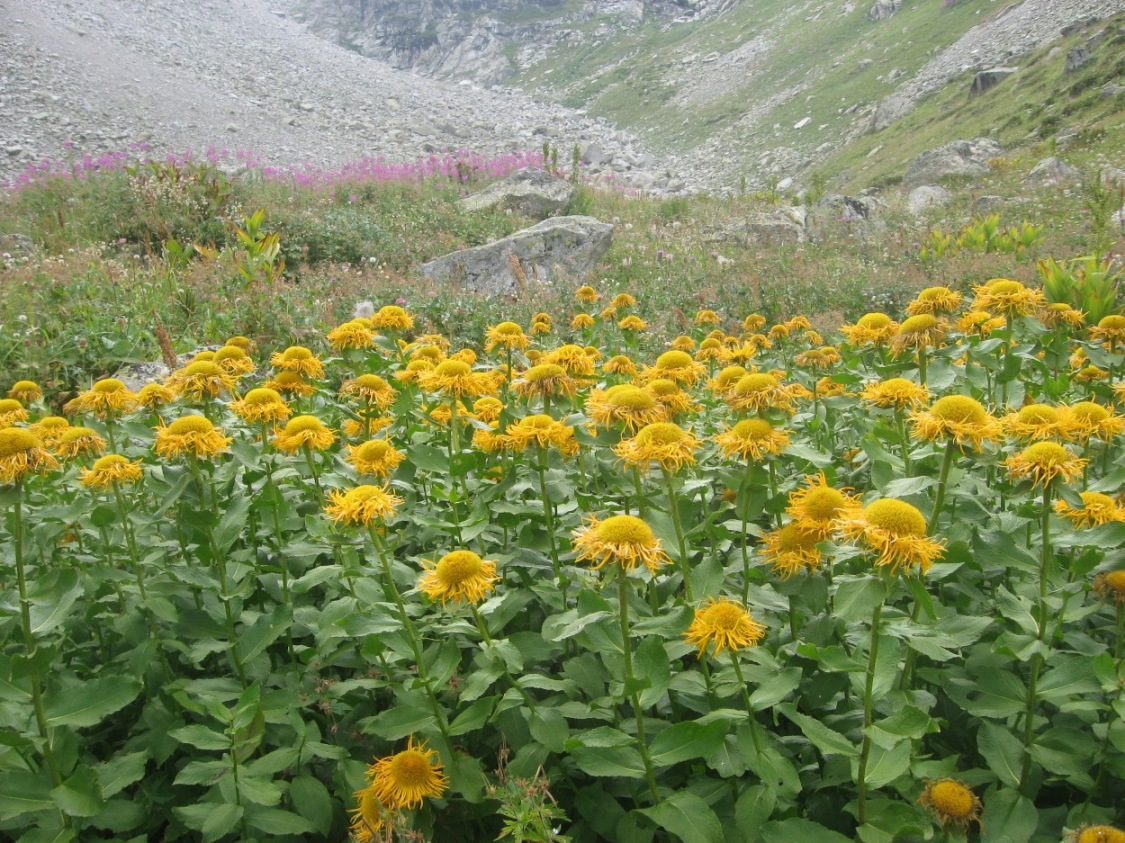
(234, 361)
(664, 443)
(571, 357)
(706, 317)
(792, 549)
(190, 435)
(199, 379)
(25, 391)
(624, 404)
(1043, 462)
(457, 378)
(1096, 834)
(956, 417)
(246, 344)
(107, 397)
(405, 779)
(1034, 422)
(460, 575)
(155, 395)
(544, 432)
(922, 331)
(752, 439)
(620, 364)
(1008, 297)
(487, 409)
(375, 456)
(622, 301)
(545, 379)
(1111, 586)
(361, 505)
(1087, 419)
(753, 322)
(723, 625)
(370, 388)
(952, 803)
(586, 294)
(506, 335)
(677, 366)
(818, 358)
(1096, 509)
(205, 356)
(11, 412)
(624, 539)
(1109, 331)
(368, 817)
(935, 300)
(673, 399)
(980, 323)
(261, 405)
(391, 317)
(582, 321)
(896, 531)
(725, 379)
(826, 387)
(21, 453)
(365, 427)
(291, 383)
(78, 441)
(712, 349)
(352, 334)
(760, 391)
(816, 506)
(632, 322)
(299, 360)
(49, 429)
(111, 470)
(1061, 315)
(300, 431)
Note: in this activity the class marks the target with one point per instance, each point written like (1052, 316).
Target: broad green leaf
(777, 688)
(22, 792)
(753, 808)
(277, 821)
(687, 817)
(201, 737)
(828, 741)
(796, 829)
(52, 598)
(1002, 751)
(399, 722)
(264, 631)
(121, 771)
(90, 703)
(685, 740)
(651, 663)
(473, 717)
(857, 597)
(550, 728)
(1065, 751)
(622, 761)
(1011, 817)
(79, 795)
(312, 800)
(886, 765)
(259, 791)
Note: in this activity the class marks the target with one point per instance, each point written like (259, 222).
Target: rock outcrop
(563, 246)
(531, 192)
(959, 158)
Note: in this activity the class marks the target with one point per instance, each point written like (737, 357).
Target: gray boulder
(1052, 171)
(990, 78)
(841, 215)
(925, 197)
(990, 203)
(783, 226)
(563, 246)
(883, 9)
(959, 158)
(1076, 58)
(534, 193)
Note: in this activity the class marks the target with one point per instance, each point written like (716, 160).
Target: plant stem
(674, 509)
(746, 701)
(868, 718)
(743, 501)
(1037, 658)
(549, 519)
(483, 629)
(900, 423)
(630, 682)
(943, 479)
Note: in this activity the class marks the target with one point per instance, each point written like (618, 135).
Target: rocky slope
(90, 76)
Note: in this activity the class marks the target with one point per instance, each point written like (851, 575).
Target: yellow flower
(25, 391)
(573, 358)
(624, 539)
(11, 412)
(676, 366)
(433, 352)
(542, 431)
(711, 349)
(622, 301)
(1096, 509)
(1036, 421)
(247, 345)
(952, 803)
(922, 331)
(455, 377)
(155, 395)
(190, 434)
(414, 371)
(391, 317)
(725, 379)
(506, 334)
(957, 417)
(22, 452)
(487, 409)
(673, 399)
(490, 441)
(1003, 295)
(896, 531)
(107, 397)
(1110, 585)
(538, 328)
(753, 322)
(303, 430)
(818, 358)
(1109, 331)
(203, 377)
(980, 323)
(665, 443)
(365, 427)
(935, 300)
(352, 334)
(234, 361)
(752, 439)
(111, 470)
(1061, 315)
(706, 317)
(723, 625)
(1086, 420)
(370, 388)
(405, 779)
(582, 321)
(77, 441)
(261, 405)
(779, 331)
(586, 294)
(798, 323)
(624, 404)
(1096, 834)
(299, 360)
(620, 364)
(632, 322)
(290, 383)
(368, 817)
(545, 379)
(817, 506)
(49, 429)
(361, 505)
(826, 387)
(375, 456)
(760, 391)
(792, 549)
(1043, 462)
(205, 356)
(460, 575)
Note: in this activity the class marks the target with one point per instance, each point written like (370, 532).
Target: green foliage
(1090, 284)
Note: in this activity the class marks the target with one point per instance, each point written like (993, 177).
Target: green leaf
(473, 717)
(550, 728)
(90, 703)
(776, 689)
(999, 694)
(399, 722)
(796, 829)
(753, 808)
(1065, 751)
(233, 521)
(1010, 817)
(904, 487)
(22, 792)
(651, 663)
(886, 765)
(264, 631)
(259, 791)
(79, 795)
(624, 761)
(686, 816)
(51, 599)
(857, 597)
(213, 819)
(689, 739)
(312, 801)
(829, 742)
(121, 771)
(201, 737)
(1002, 751)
